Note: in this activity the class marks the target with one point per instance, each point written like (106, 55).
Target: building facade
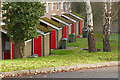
(56, 8)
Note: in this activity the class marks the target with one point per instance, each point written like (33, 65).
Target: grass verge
(66, 57)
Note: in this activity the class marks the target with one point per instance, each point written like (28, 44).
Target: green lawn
(66, 57)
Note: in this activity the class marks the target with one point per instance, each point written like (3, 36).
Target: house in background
(57, 8)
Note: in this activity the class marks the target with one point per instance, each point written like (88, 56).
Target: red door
(80, 27)
(65, 32)
(53, 39)
(38, 46)
(7, 55)
(73, 27)
(12, 50)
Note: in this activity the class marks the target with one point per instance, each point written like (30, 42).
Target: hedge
(71, 16)
(52, 22)
(78, 15)
(42, 28)
(63, 19)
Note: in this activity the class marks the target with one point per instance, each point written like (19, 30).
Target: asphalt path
(105, 72)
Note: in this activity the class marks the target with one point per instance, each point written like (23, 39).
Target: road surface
(105, 72)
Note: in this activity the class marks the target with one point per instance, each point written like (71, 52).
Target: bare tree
(91, 38)
(106, 25)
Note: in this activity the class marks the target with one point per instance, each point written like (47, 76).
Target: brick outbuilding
(41, 45)
(66, 22)
(8, 45)
(81, 20)
(75, 25)
(56, 31)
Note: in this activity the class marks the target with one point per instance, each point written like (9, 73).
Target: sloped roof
(42, 28)
(63, 19)
(52, 22)
(72, 17)
(78, 15)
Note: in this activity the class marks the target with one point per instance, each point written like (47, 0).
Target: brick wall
(82, 24)
(77, 27)
(69, 28)
(55, 11)
(59, 36)
(69, 32)
(28, 49)
(46, 45)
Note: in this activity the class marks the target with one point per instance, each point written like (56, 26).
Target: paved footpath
(105, 72)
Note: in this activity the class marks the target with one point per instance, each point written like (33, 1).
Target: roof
(42, 28)
(52, 22)
(78, 15)
(61, 24)
(72, 17)
(63, 19)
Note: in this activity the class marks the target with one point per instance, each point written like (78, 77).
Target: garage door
(53, 39)
(65, 32)
(80, 27)
(12, 50)
(38, 46)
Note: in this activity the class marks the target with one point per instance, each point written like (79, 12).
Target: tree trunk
(19, 50)
(91, 38)
(106, 26)
(0, 35)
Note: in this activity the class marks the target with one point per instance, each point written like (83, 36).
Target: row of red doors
(38, 42)
(53, 37)
(73, 27)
